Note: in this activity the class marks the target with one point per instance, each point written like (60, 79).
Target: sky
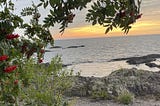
(149, 24)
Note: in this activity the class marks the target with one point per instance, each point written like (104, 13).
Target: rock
(66, 65)
(55, 47)
(139, 60)
(138, 82)
(48, 51)
(76, 46)
(152, 65)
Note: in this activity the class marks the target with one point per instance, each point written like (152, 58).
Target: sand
(104, 69)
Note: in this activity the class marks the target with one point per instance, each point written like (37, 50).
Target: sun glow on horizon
(139, 28)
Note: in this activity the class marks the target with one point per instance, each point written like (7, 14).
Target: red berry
(42, 51)
(70, 17)
(138, 16)
(122, 14)
(132, 13)
(12, 36)
(40, 60)
(10, 69)
(4, 57)
(16, 82)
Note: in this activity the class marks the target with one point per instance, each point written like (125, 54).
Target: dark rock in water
(48, 64)
(55, 47)
(138, 82)
(152, 65)
(76, 46)
(67, 47)
(139, 60)
(48, 51)
(65, 65)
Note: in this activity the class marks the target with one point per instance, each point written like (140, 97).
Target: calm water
(99, 50)
(93, 59)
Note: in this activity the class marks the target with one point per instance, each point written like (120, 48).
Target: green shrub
(125, 98)
(46, 84)
(100, 95)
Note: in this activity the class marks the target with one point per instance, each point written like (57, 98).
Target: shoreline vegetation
(124, 86)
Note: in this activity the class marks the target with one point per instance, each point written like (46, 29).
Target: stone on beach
(138, 82)
(139, 60)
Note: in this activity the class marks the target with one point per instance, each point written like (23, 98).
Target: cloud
(141, 27)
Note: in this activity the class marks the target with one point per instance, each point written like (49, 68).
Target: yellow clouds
(146, 27)
(139, 28)
(82, 32)
(87, 30)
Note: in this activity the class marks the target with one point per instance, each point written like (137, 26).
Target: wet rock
(55, 47)
(48, 51)
(139, 60)
(66, 65)
(152, 65)
(76, 46)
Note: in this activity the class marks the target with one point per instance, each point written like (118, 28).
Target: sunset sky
(147, 25)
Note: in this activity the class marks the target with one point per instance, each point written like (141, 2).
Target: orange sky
(139, 28)
(148, 24)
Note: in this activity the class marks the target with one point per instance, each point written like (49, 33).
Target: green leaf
(107, 30)
(99, 21)
(94, 22)
(40, 4)
(114, 24)
(45, 4)
(54, 2)
(91, 11)
(111, 27)
(42, 0)
(52, 12)
(107, 21)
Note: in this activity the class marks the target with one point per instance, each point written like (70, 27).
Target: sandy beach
(104, 69)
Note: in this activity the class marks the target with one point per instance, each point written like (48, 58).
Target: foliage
(19, 74)
(100, 95)
(108, 13)
(125, 97)
(61, 11)
(114, 13)
(46, 84)
(37, 85)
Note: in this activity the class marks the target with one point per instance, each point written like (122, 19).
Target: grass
(99, 95)
(125, 98)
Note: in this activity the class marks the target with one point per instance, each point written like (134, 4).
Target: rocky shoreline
(148, 59)
(140, 83)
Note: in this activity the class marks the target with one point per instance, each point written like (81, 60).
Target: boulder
(138, 82)
(55, 47)
(152, 65)
(76, 46)
(139, 60)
